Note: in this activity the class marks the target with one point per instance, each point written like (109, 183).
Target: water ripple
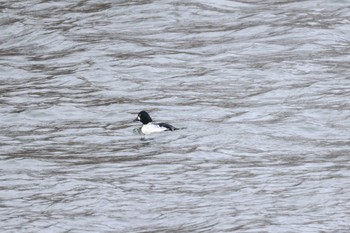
(259, 90)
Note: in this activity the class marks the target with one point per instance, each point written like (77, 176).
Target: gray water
(260, 88)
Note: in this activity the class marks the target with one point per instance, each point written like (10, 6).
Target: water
(261, 88)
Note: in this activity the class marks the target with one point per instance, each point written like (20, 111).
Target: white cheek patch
(138, 118)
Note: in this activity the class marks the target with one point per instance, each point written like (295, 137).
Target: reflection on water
(260, 88)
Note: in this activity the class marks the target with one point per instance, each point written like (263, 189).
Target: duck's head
(144, 117)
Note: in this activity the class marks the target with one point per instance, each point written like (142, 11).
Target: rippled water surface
(260, 88)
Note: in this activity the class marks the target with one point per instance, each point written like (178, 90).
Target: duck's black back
(169, 127)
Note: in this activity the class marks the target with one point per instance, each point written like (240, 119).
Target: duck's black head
(144, 117)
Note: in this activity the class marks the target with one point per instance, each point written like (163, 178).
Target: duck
(149, 127)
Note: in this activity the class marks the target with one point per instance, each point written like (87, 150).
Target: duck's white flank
(152, 128)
